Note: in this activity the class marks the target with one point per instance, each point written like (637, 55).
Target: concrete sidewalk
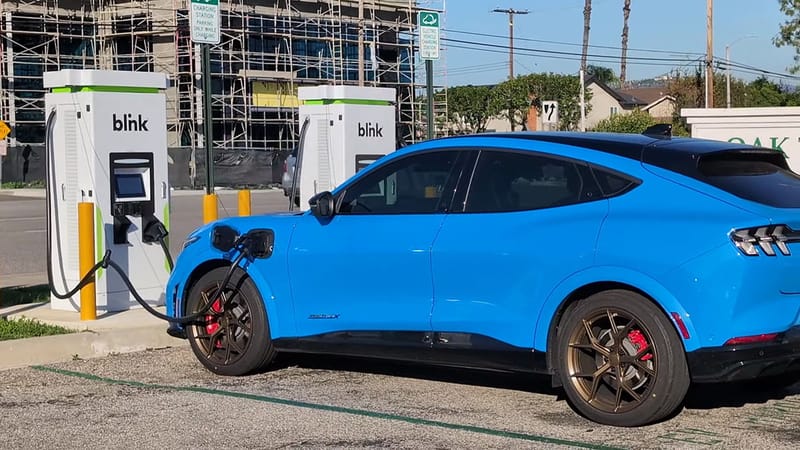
(119, 332)
(39, 192)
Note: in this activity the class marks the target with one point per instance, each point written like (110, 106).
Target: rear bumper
(746, 362)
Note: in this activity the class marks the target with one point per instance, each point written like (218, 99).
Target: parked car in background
(625, 266)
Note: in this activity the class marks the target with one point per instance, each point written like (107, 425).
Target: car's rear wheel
(233, 337)
(620, 360)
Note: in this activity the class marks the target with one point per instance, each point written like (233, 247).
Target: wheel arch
(261, 283)
(585, 284)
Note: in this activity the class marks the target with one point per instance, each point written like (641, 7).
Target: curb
(83, 345)
(128, 331)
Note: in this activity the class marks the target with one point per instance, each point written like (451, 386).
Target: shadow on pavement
(535, 383)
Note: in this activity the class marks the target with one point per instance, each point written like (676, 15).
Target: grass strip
(27, 328)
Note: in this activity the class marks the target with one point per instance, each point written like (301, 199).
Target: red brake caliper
(212, 324)
(637, 339)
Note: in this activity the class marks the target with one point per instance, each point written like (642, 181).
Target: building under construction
(268, 48)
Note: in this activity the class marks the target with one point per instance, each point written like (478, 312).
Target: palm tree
(587, 16)
(626, 12)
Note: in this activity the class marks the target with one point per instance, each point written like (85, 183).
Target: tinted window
(413, 185)
(612, 183)
(509, 181)
(762, 178)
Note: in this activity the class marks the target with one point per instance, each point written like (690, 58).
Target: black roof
(678, 154)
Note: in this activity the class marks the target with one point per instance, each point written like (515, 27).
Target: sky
(674, 31)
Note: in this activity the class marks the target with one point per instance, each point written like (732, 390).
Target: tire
(648, 352)
(233, 338)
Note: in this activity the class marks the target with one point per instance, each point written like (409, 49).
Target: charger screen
(129, 185)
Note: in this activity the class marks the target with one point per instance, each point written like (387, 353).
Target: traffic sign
(4, 130)
(205, 21)
(428, 22)
(550, 112)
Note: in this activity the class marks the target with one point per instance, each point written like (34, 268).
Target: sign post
(205, 30)
(428, 22)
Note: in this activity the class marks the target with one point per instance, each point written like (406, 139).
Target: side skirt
(440, 348)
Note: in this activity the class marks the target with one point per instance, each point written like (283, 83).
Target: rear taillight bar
(767, 238)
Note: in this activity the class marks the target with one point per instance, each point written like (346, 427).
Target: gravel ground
(165, 398)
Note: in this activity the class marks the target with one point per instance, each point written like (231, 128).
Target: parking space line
(338, 409)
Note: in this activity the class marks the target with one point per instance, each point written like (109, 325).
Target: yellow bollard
(244, 202)
(209, 208)
(86, 259)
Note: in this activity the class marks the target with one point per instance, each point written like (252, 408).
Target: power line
(572, 44)
(575, 56)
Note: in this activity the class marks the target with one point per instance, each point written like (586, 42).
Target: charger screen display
(129, 185)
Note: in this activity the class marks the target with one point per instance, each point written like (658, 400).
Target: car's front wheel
(620, 360)
(233, 337)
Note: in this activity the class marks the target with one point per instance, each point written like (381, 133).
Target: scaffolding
(268, 48)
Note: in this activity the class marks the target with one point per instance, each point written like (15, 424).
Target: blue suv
(625, 266)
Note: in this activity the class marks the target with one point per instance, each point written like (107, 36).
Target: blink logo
(128, 123)
(370, 130)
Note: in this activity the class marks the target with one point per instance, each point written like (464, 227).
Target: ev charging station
(348, 128)
(107, 144)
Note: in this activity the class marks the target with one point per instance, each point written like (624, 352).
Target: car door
(368, 267)
(528, 221)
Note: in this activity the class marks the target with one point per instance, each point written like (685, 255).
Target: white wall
(602, 102)
(777, 128)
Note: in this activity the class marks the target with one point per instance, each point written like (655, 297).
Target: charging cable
(155, 231)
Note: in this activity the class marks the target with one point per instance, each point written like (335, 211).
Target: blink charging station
(348, 127)
(107, 144)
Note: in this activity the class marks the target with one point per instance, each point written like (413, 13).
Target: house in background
(607, 102)
(660, 104)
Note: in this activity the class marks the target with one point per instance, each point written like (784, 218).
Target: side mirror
(322, 204)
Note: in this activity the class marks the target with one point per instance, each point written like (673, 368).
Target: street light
(728, 70)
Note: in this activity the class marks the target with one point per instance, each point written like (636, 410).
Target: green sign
(428, 22)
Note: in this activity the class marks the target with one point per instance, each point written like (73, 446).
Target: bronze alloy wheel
(611, 361)
(620, 359)
(233, 337)
(225, 332)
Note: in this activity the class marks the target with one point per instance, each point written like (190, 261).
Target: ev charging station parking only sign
(428, 22)
(205, 21)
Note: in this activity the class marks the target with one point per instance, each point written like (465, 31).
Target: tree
(510, 100)
(513, 99)
(587, 16)
(468, 108)
(789, 32)
(635, 122)
(626, 13)
(604, 74)
(763, 92)
(565, 89)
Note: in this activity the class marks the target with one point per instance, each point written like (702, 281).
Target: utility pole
(709, 53)
(511, 12)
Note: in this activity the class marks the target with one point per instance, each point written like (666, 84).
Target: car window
(613, 184)
(515, 181)
(412, 185)
(757, 176)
